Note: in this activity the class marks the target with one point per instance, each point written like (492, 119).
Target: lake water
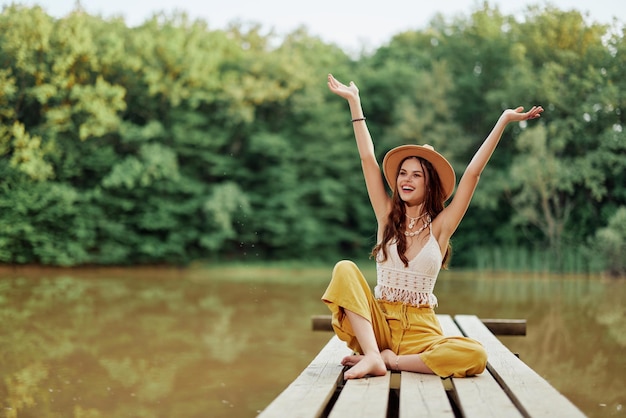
(223, 342)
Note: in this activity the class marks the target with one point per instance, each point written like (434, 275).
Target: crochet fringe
(418, 299)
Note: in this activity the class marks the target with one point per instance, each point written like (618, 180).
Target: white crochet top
(412, 285)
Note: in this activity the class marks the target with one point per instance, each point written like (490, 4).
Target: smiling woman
(395, 328)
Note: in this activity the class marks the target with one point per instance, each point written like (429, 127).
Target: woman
(396, 328)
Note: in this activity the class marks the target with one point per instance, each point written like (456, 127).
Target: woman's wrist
(355, 107)
(390, 358)
(504, 120)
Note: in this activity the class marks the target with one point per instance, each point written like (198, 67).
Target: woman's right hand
(348, 92)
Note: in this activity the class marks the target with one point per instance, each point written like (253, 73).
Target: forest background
(170, 142)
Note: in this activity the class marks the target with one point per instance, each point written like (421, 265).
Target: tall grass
(573, 260)
(576, 260)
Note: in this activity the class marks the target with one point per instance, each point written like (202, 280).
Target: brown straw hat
(393, 159)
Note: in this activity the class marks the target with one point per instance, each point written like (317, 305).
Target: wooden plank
(532, 394)
(481, 396)
(363, 398)
(496, 326)
(308, 395)
(423, 395)
(448, 326)
(321, 323)
(477, 396)
(505, 326)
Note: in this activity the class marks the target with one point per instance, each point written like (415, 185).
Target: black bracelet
(358, 119)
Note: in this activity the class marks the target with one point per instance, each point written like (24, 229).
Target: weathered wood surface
(308, 395)
(508, 388)
(363, 398)
(478, 396)
(531, 393)
(423, 395)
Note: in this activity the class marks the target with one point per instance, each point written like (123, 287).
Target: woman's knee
(470, 357)
(477, 360)
(347, 270)
(346, 280)
(344, 266)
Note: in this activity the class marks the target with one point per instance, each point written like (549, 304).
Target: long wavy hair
(433, 205)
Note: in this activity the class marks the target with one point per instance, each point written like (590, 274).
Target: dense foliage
(172, 142)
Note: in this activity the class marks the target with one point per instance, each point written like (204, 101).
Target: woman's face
(411, 182)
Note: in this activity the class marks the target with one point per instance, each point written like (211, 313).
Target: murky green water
(224, 342)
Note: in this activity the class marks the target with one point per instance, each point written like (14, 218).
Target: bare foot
(351, 360)
(369, 364)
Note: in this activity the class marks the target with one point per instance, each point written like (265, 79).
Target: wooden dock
(508, 388)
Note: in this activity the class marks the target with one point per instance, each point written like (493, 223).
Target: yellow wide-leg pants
(402, 329)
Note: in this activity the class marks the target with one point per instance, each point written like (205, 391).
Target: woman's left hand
(518, 115)
(349, 92)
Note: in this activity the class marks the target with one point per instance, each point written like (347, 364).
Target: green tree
(611, 243)
(540, 188)
(171, 142)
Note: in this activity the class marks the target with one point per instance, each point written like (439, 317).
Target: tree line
(172, 141)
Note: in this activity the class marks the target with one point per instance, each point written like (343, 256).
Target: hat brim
(444, 169)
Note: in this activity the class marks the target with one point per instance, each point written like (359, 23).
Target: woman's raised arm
(371, 171)
(454, 212)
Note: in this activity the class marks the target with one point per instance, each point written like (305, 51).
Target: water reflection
(224, 342)
(576, 332)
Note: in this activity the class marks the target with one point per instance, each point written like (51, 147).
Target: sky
(351, 24)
